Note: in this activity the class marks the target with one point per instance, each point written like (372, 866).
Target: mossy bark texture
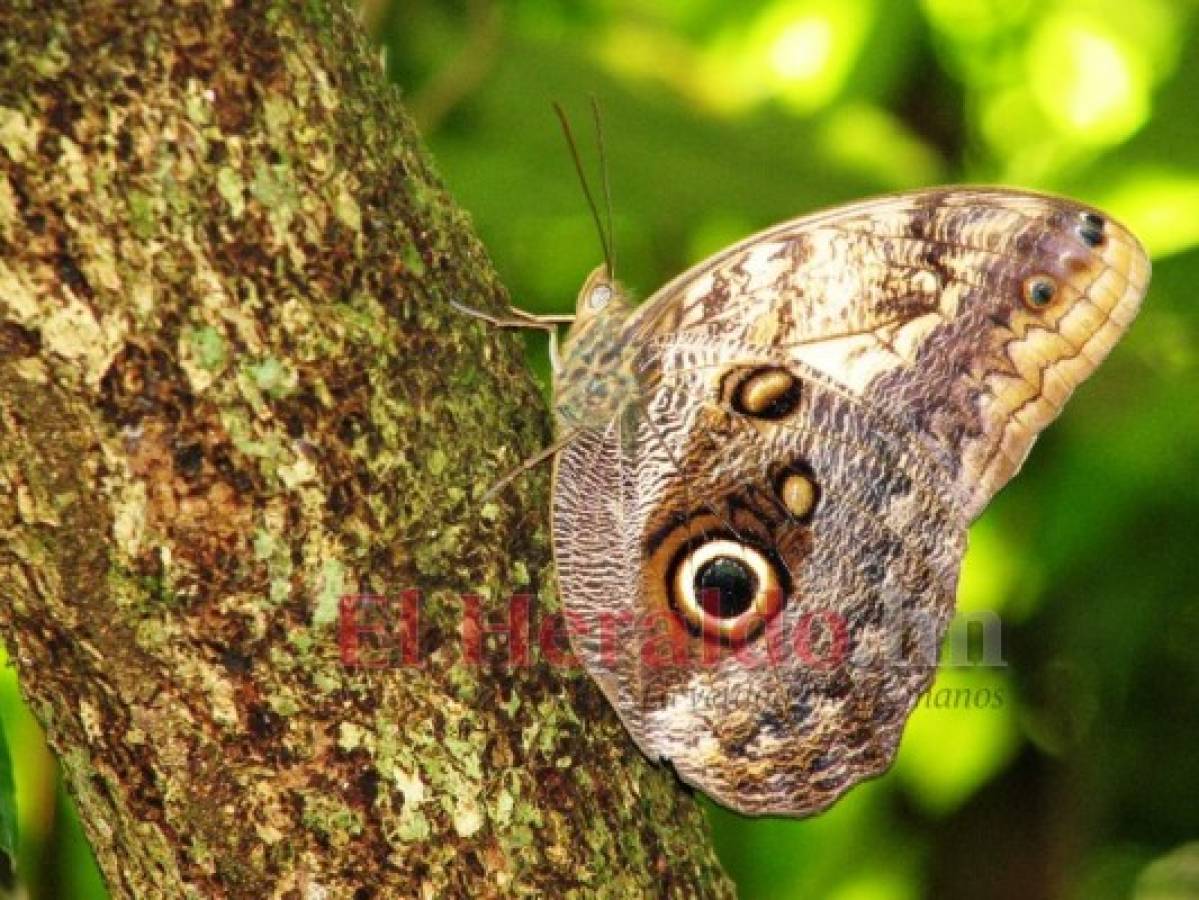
(231, 391)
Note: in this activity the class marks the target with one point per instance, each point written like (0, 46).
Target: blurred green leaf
(1174, 876)
(8, 814)
(961, 734)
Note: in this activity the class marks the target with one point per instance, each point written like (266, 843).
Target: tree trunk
(231, 391)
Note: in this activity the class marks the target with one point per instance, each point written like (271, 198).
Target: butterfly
(764, 474)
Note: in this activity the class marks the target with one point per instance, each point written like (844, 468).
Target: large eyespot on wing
(724, 589)
(968, 314)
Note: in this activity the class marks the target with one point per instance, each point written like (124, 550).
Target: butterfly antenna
(574, 152)
(605, 183)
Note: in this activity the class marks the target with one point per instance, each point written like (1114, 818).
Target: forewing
(919, 304)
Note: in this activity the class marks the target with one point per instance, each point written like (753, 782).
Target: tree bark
(231, 391)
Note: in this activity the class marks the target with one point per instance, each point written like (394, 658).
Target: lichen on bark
(231, 391)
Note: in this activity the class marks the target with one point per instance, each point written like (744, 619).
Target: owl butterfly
(765, 472)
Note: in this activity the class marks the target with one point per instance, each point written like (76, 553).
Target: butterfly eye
(726, 590)
(1038, 291)
(600, 297)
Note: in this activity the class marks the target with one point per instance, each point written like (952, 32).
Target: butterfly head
(600, 297)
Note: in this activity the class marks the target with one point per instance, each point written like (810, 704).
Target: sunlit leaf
(877, 885)
(1161, 206)
(975, 20)
(997, 574)
(870, 140)
(962, 733)
(798, 51)
(1090, 83)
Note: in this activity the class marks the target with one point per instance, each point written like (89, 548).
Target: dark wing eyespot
(725, 590)
(726, 587)
(1091, 229)
(1038, 291)
(767, 392)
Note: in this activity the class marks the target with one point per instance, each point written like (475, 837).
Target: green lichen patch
(331, 818)
(143, 214)
(232, 189)
(18, 134)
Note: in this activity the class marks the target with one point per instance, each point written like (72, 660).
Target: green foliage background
(1081, 767)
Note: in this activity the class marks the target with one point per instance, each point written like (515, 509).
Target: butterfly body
(761, 510)
(597, 378)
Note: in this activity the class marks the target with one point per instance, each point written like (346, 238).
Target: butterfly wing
(922, 304)
(759, 557)
(850, 543)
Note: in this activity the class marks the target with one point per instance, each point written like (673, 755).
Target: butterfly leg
(531, 463)
(518, 318)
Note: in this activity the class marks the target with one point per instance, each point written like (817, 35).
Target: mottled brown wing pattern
(918, 303)
(786, 728)
(759, 520)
